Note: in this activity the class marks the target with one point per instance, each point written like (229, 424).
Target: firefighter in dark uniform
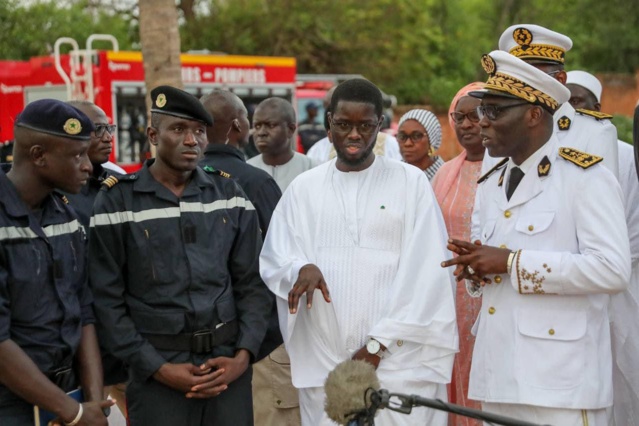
(99, 151)
(174, 269)
(48, 342)
(115, 372)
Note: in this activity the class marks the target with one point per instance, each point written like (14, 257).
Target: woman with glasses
(455, 185)
(419, 135)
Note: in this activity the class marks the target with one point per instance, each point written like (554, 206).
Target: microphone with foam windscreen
(348, 390)
(353, 396)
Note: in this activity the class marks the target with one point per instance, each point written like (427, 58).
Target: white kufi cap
(585, 80)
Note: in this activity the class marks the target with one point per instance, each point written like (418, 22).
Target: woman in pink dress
(455, 185)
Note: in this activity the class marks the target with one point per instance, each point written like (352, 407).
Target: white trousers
(548, 416)
(312, 406)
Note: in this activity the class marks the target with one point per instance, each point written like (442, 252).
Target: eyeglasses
(415, 137)
(101, 128)
(345, 128)
(459, 117)
(492, 111)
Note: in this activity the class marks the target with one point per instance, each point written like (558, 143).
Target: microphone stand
(384, 399)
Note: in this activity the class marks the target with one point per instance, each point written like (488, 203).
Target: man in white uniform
(585, 92)
(581, 129)
(369, 230)
(549, 256)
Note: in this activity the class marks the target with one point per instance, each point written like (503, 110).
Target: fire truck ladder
(79, 82)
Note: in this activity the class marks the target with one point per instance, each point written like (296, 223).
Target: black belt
(202, 341)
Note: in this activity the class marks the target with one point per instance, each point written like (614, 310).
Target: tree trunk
(160, 39)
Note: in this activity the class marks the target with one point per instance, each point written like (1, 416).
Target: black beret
(55, 118)
(178, 103)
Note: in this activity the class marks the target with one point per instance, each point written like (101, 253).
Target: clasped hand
(474, 261)
(207, 380)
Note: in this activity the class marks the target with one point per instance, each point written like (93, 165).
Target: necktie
(515, 177)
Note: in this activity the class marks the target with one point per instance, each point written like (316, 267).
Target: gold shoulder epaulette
(110, 182)
(598, 115)
(64, 199)
(224, 174)
(582, 159)
(491, 171)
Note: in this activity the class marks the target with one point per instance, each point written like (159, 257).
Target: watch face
(373, 347)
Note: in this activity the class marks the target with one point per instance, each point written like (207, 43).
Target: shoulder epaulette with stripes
(491, 171)
(596, 114)
(111, 180)
(582, 159)
(214, 171)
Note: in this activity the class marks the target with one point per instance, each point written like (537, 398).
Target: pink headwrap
(462, 92)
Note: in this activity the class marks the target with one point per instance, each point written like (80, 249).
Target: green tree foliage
(31, 29)
(421, 51)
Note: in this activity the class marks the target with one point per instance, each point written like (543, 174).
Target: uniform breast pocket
(488, 230)
(550, 348)
(532, 224)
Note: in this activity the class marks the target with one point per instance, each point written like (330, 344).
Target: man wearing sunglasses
(546, 265)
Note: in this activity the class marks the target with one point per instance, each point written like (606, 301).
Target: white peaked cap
(533, 42)
(511, 77)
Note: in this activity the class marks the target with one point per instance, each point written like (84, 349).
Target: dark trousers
(152, 403)
(16, 413)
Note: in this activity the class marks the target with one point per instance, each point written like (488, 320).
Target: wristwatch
(373, 347)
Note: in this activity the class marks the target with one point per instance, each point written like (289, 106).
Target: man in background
(228, 134)
(310, 129)
(585, 92)
(274, 128)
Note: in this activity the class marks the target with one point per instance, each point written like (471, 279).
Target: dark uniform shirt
(44, 297)
(258, 185)
(160, 264)
(264, 193)
(82, 202)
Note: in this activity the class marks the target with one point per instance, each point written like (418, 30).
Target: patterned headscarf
(462, 92)
(430, 123)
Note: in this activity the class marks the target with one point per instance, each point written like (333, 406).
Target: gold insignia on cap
(160, 101)
(564, 123)
(72, 126)
(488, 63)
(598, 115)
(523, 37)
(505, 83)
(580, 158)
(544, 167)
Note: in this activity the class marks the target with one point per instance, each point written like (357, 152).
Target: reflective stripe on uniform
(15, 232)
(167, 213)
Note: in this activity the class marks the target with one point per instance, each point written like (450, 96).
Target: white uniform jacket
(542, 335)
(581, 131)
(586, 133)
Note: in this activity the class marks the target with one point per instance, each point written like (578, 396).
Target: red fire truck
(114, 80)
